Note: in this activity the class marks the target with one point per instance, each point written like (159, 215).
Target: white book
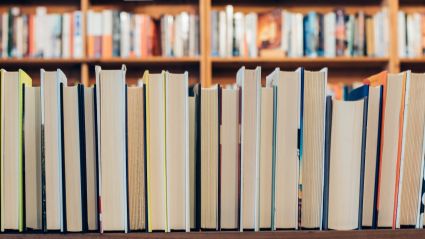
(250, 83)
(251, 34)
(78, 35)
(286, 31)
(112, 155)
(229, 30)
(51, 119)
(329, 34)
(12, 172)
(125, 34)
(156, 151)
(19, 37)
(177, 150)
(4, 36)
(238, 19)
(222, 39)
(401, 24)
(137, 36)
(40, 31)
(287, 124)
(66, 35)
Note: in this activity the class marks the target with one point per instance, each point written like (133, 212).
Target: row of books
(41, 34)
(109, 34)
(411, 40)
(166, 156)
(123, 34)
(283, 33)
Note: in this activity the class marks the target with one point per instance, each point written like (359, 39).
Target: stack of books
(122, 34)
(41, 34)
(283, 33)
(166, 156)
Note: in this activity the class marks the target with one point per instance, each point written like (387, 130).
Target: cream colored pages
(11, 174)
(112, 150)
(136, 158)
(32, 137)
(156, 143)
(91, 166)
(371, 154)
(192, 159)
(72, 165)
(413, 151)
(266, 149)
(249, 80)
(50, 84)
(390, 149)
(313, 148)
(209, 157)
(345, 161)
(176, 148)
(229, 133)
(286, 191)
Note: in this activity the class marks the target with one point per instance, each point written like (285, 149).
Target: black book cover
(378, 156)
(62, 139)
(362, 164)
(96, 128)
(126, 156)
(197, 93)
(82, 136)
(23, 156)
(220, 122)
(328, 130)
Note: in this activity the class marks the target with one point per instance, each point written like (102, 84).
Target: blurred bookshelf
(210, 69)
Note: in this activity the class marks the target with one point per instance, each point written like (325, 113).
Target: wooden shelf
(40, 61)
(416, 60)
(363, 234)
(287, 62)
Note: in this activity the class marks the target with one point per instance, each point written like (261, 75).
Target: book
(250, 83)
(346, 163)
(112, 149)
(209, 156)
(136, 157)
(90, 129)
(269, 33)
(411, 173)
(156, 151)
(374, 96)
(193, 159)
(177, 150)
(230, 157)
(391, 142)
(74, 159)
(12, 157)
(32, 152)
(266, 159)
(52, 83)
(287, 108)
(312, 146)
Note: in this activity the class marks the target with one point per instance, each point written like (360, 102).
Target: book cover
(269, 33)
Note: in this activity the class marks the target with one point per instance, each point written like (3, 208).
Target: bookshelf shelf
(336, 62)
(364, 234)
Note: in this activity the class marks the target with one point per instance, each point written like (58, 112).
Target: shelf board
(287, 62)
(113, 60)
(415, 60)
(364, 234)
(147, 60)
